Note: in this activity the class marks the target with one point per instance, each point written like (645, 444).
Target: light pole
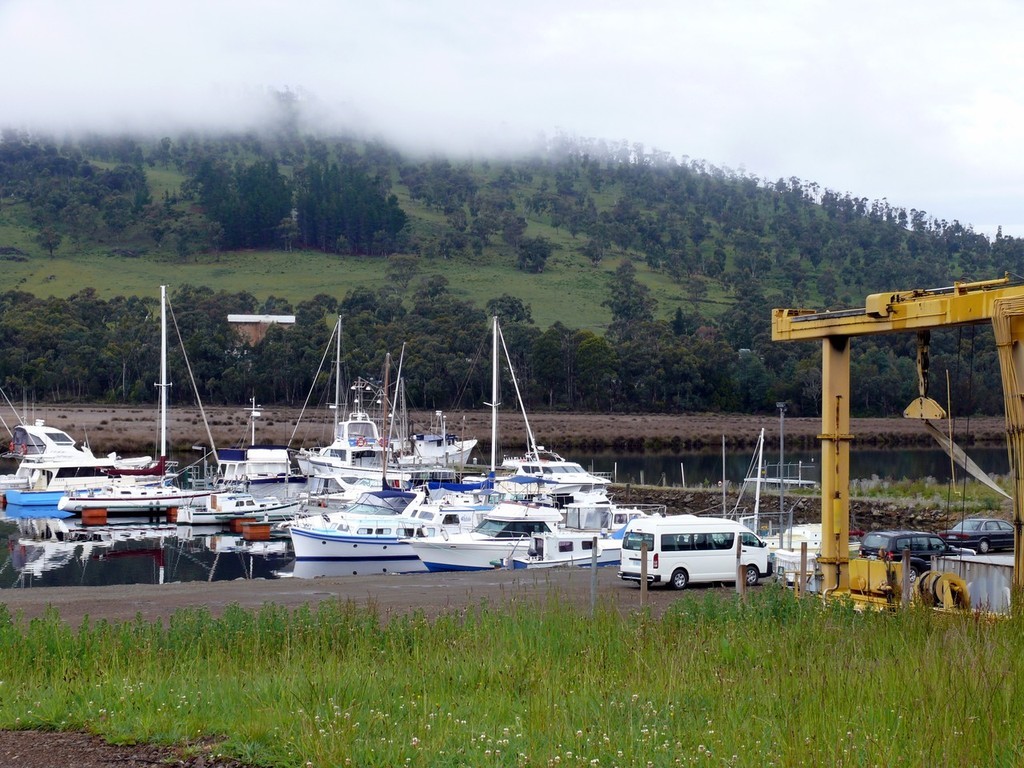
(781, 405)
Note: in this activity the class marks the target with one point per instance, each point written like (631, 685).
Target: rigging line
(484, 341)
(531, 443)
(16, 414)
(191, 376)
(312, 386)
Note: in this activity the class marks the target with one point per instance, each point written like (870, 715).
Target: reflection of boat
(48, 546)
(222, 508)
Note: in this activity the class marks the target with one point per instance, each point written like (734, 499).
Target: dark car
(889, 545)
(985, 534)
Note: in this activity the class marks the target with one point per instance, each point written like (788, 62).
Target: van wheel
(679, 579)
(752, 576)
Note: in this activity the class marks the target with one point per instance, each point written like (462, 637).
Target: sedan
(984, 534)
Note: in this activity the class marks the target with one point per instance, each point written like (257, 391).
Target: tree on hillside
(534, 253)
(341, 204)
(630, 301)
(49, 239)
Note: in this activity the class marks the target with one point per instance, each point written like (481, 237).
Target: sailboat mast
(163, 371)
(384, 419)
(757, 482)
(494, 396)
(337, 375)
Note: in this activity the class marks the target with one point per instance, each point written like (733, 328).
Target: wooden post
(801, 582)
(593, 576)
(741, 581)
(905, 599)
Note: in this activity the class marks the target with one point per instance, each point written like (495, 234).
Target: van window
(634, 540)
(676, 542)
(748, 539)
(722, 540)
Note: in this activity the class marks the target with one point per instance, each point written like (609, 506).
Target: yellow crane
(964, 303)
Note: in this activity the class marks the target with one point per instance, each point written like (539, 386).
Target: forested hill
(625, 279)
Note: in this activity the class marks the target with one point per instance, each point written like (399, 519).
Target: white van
(687, 548)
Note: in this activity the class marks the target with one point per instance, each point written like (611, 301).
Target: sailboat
(125, 492)
(358, 450)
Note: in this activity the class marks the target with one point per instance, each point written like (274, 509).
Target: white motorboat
(52, 463)
(357, 449)
(560, 477)
(592, 533)
(129, 499)
(222, 508)
(257, 464)
(369, 531)
(506, 530)
(437, 447)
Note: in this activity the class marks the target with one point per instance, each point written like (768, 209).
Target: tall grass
(773, 681)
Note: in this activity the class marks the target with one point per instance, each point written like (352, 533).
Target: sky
(917, 102)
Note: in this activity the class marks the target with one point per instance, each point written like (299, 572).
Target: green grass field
(773, 681)
(570, 290)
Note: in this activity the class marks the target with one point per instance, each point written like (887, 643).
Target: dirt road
(429, 593)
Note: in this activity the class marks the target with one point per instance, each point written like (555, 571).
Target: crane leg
(835, 463)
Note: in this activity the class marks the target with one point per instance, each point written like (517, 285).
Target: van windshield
(634, 540)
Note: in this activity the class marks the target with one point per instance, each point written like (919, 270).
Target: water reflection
(48, 552)
(706, 468)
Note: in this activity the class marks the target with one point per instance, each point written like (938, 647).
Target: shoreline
(132, 430)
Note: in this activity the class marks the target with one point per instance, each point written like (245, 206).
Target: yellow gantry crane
(997, 301)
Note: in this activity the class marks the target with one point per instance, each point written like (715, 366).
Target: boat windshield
(373, 504)
(512, 529)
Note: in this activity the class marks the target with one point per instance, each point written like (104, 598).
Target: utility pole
(781, 405)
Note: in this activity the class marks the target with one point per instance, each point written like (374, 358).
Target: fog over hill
(921, 110)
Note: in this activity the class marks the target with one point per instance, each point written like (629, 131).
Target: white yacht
(506, 530)
(52, 463)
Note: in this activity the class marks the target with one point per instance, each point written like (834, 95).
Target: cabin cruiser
(52, 464)
(506, 529)
(561, 478)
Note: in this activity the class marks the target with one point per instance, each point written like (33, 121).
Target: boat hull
(326, 546)
(467, 556)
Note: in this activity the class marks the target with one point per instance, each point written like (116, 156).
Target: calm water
(140, 552)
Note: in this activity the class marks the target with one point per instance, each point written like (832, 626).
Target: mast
(337, 375)
(384, 421)
(757, 482)
(163, 373)
(494, 396)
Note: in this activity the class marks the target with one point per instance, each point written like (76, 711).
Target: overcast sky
(920, 102)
